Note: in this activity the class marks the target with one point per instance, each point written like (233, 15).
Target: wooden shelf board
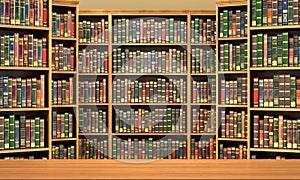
(149, 74)
(93, 44)
(93, 74)
(274, 68)
(233, 106)
(203, 44)
(23, 150)
(203, 104)
(63, 39)
(149, 44)
(203, 134)
(63, 72)
(275, 109)
(23, 109)
(275, 150)
(233, 39)
(232, 139)
(275, 27)
(64, 139)
(232, 72)
(222, 3)
(64, 106)
(203, 74)
(24, 27)
(93, 134)
(93, 104)
(149, 134)
(23, 68)
(149, 104)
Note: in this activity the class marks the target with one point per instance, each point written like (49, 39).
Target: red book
(255, 92)
(73, 27)
(261, 133)
(58, 126)
(298, 93)
(31, 13)
(59, 92)
(44, 53)
(38, 93)
(71, 90)
(14, 92)
(42, 91)
(72, 61)
(291, 52)
(269, 12)
(45, 13)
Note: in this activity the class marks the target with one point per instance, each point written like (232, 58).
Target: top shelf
(233, 39)
(65, 3)
(24, 27)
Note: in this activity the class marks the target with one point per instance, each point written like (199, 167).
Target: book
(62, 151)
(204, 91)
(93, 148)
(62, 91)
(235, 152)
(63, 25)
(203, 30)
(92, 61)
(62, 125)
(92, 91)
(234, 92)
(93, 31)
(203, 120)
(234, 124)
(203, 60)
(91, 121)
(233, 57)
(63, 58)
(203, 149)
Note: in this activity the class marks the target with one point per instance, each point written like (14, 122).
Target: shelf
(149, 74)
(203, 74)
(233, 39)
(63, 39)
(203, 104)
(23, 150)
(274, 68)
(232, 105)
(64, 139)
(149, 134)
(93, 74)
(64, 106)
(149, 44)
(233, 4)
(93, 44)
(63, 72)
(232, 72)
(275, 27)
(232, 139)
(203, 134)
(149, 104)
(93, 134)
(23, 68)
(274, 150)
(93, 104)
(22, 109)
(203, 44)
(275, 109)
(24, 27)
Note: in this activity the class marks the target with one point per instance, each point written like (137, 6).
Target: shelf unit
(61, 69)
(229, 73)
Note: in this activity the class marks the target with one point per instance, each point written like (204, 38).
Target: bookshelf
(232, 67)
(63, 129)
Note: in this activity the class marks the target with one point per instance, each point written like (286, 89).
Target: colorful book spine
(234, 92)
(233, 23)
(62, 151)
(203, 30)
(62, 125)
(93, 91)
(62, 91)
(203, 149)
(233, 57)
(63, 25)
(91, 121)
(148, 149)
(63, 58)
(92, 148)
(203, 60)
(203, 120)
(234, 124)
(236, 152)
(23, 158)
(92, 61)
(204, 91)
(142, 30)
(93, 32)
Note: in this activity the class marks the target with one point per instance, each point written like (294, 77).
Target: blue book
(285, 12)
(296, 51)
(233, 58)
(27, 13)
(11, 50)
(17, 133)
(1, 91)
(269, 51)
(23, 90)
(280, 12)
(5, 92)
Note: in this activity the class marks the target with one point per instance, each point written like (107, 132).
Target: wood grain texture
(163, 169)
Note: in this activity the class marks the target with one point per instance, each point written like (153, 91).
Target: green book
(276, 91)
(17, 134)
(11, 131)
(253, 7)
(171, 30)
(285, 49)
(54, 126)
(274, 51)
(276, 130)
(246, 56)
(22, 132)
(221, 25)
(226, 57)
(17, 12)
(279, 49)
(6, 50)
(293, 92)
(238, 58)
(258, 12)
(225, 13)
(239, 125)
(6, 133)
(37, 132)
(196, 29)
(123, 30)
(259, 50)
(66, 124)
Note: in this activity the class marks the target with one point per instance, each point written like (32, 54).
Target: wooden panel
(184, 169)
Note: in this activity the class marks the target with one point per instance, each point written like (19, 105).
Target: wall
(148, 4)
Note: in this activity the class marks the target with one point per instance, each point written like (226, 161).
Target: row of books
(23, 158)
(92, 91)
(92, 148)
(278, 50)
(148, 149)
(281, 91)
(62, 125)
(239, 152)
(93, 32)
(254, 156)
(165, 120)
(92, 121)
(233, 57)
(203, 30)
(22, 92)
(63, 58)
(63, 25)
(203, 60)
(61, 151)
(274, 12)
(233, 23)
(204, 91)
(92, 61)
(160, 90)
(24, 12)
(276, 132)
(62, 91)
(149, 30)
(20, 132)
(203, 149)
(203, 120)
(234, 124)
(234, 92)
(169, 61)
(23, 50)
